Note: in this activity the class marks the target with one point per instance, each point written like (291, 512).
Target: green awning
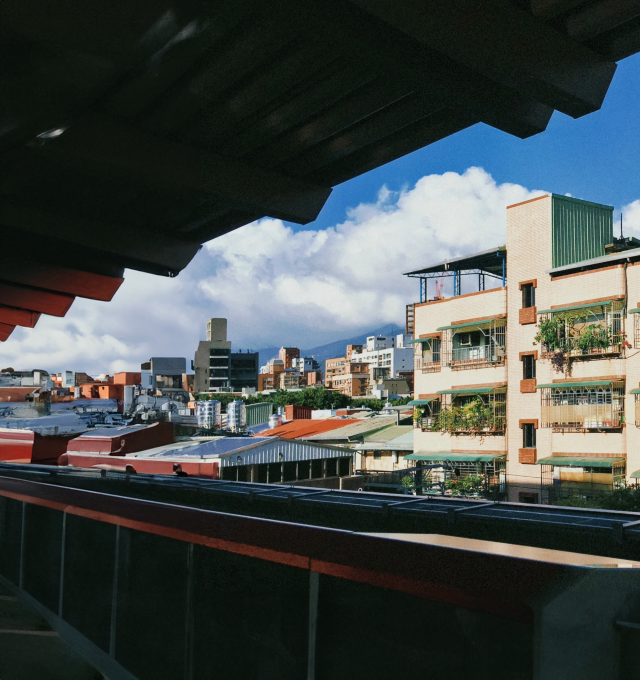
(635, 475)
(469, 390)
(636, 391)
(570, 308)
(579, 461)
(477, 324)
(456, 457)
(581, 383)
(634, 311)
(413, 342)
(421, 402)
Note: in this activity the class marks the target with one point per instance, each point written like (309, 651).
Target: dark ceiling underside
(133, 132)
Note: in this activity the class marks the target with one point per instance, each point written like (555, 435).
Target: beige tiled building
(554, 416)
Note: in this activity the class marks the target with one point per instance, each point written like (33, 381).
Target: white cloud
(630, 220)
(278, 286)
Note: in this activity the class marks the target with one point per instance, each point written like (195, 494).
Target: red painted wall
(150, 437)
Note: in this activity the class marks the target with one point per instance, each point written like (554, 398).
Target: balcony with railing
(477, 355)
(472, 411)
(427, 357)
(474, 344)
(583, 406)
(590, 330)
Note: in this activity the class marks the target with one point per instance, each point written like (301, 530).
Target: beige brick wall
(433, 315)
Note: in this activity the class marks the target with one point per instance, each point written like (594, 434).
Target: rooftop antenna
(621, 236)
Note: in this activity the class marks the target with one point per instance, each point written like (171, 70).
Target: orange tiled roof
(305, 428)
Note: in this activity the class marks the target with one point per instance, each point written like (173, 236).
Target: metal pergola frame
(473, 265)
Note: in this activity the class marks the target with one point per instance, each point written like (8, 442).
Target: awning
(579, 461)
(634, 311)
(471, 390)
(636, 391)
(635, 475)
(587, 305)
(413, 342)
(581, 383)
(469, 324)
(421, 402)
(456, 457)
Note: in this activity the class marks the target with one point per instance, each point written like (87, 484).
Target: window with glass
(528, 295)
(528, 436)
(528, 367)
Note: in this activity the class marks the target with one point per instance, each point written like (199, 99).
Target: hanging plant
(559, 361)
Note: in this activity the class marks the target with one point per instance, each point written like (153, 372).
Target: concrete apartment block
(560, 253)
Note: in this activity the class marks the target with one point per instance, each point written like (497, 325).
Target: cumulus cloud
(280, 286)
(630, 220)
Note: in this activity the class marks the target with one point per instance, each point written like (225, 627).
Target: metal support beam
(63, 542)
(423, 290)
(114, 596)
(314, 587)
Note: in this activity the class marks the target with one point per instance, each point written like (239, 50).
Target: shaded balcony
(583, 405)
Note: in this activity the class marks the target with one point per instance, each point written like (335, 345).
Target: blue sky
(596, 157)
(282, 284)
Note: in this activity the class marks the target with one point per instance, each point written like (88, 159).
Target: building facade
(164, 373)
(287, 355)
(217, 368)
(535, 383)
(385, 355)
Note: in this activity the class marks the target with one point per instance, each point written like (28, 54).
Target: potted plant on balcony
(417, 416)
(555, 335)
(594, 338)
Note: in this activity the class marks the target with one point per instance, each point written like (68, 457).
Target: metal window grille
(430, 412)
(493, 473)
(636, 331)
(492, 352)
(562, 482)
(428, 355)
(610, 316)
(583, 408)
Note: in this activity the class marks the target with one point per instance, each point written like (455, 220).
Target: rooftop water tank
(275, 421)
(236, 416)
(209, 415)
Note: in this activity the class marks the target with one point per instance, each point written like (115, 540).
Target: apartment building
(287, 355)
(385, 355)
(217, 368)
(349, 377)
(353, 384)
(533, 382)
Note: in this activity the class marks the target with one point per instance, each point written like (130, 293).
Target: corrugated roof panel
(579, 461)
(588, 305)
(470, 457)
(356, 429)
(580, 230)
(306, 428)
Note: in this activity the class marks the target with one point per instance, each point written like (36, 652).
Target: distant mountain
(332, 349)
